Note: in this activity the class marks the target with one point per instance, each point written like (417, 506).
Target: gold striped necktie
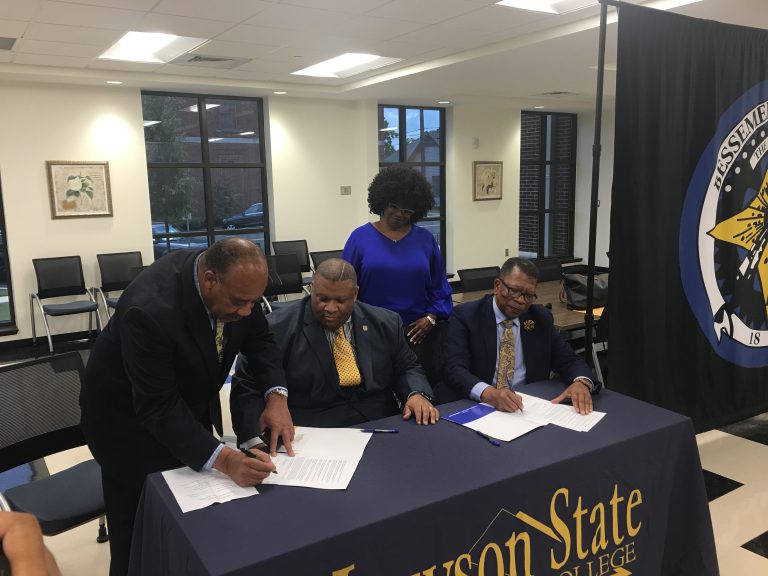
(344, 357)
(505, 375)
(220, 340)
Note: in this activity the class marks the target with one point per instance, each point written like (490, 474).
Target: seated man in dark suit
(497, 343)
(346, 362)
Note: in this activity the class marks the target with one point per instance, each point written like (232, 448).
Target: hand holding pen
(246, 469)
(503, 399)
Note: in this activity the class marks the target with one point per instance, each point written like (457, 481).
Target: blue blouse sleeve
(440, 302)
(351, 252)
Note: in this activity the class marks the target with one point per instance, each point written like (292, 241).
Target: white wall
(586, 137)
(316, 147)
(52, 122)
(479, 233)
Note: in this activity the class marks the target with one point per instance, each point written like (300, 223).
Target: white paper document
(324, 458)
(195, 490)
(507, 426)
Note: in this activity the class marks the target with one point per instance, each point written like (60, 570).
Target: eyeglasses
(515, 293)
(403, 211)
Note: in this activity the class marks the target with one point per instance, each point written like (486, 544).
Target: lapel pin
(365, 327)
(529, 325)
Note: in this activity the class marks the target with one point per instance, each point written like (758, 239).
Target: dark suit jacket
(470, 350)
(386, 362)
(151, 390)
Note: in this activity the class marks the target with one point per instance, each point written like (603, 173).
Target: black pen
(380, 430)
(520, 406)
(489, 438)
(252, 455)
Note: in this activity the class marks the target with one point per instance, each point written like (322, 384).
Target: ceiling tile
(181, 25)
(424, 11)
(12, 28)
(226, 10)
(57, 33)
(6, 55)
(87, 16)
(124, 4)
(99, 64)
(233, 49)
(346, 6)
(51, 60)
(261, 35)
(377, 28)
(299, 18)
(27, 46)
(18, 9)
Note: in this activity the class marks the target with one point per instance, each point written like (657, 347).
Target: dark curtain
(688, 259)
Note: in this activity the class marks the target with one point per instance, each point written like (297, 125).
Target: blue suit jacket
(388, 367)
(470, 349)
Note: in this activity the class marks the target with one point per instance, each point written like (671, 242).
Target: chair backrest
(318, 257)
(284, 275)
(39, 408)
(549, 269)
(297, 247)
(117, 269)
(478, 278)
(62, 276)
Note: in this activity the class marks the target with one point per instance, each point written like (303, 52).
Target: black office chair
(62, 276)
(284, 278)
(549, 269)
(300, 249)
(40, 416)
(600, 357)
(473, 279)
(318, 257)
(117, 271)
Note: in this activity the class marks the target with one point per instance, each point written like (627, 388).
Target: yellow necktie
(220, 340)
(344, 357)
(505, 375)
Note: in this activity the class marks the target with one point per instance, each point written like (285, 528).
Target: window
(7, 313)
(415, 137)
(206, 167)
(547, 184)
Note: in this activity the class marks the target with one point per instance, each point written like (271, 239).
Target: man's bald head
(336, 270)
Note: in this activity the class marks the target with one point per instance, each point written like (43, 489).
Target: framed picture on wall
(79, 189)
(487, 180)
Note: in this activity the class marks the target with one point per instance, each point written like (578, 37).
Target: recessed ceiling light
(443, 102)
(549, 6)
(249, 133)
(116, 82)
(150, 122)
(280, 92)
(538, 107)
(346, 65)
(150, 47)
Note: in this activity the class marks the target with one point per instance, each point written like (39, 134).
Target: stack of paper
(536, 412)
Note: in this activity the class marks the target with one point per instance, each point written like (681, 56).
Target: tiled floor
(735, 460)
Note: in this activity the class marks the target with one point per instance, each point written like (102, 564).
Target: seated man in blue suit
(346, 362)
(495, 344)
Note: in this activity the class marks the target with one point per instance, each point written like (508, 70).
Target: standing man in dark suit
(497, 343)
(346, 362)
(150, 396)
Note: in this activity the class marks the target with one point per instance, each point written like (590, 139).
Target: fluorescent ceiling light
(150, 47)
(444, 102)
(549, 6)
(116, 82)
(193, 108)
(281, 92)
(346, 65)
(151, 122)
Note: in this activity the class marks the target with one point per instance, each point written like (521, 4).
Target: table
(548, 293)
(626, 498)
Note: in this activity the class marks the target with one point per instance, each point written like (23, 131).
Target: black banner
(689, 241)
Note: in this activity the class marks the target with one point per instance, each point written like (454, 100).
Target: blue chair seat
(55, 502)
(70, 308)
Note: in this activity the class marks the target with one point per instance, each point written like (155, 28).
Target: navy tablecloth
(625, 498)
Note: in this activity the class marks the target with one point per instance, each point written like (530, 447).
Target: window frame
(402, 160)
(207, 167)
(542, 211)
(7, 327)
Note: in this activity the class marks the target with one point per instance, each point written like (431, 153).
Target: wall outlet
(506, 251)
(346, 190)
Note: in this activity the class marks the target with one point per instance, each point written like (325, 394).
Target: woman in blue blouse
(398, 264)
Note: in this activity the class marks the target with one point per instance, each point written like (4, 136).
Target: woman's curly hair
(403, 186)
